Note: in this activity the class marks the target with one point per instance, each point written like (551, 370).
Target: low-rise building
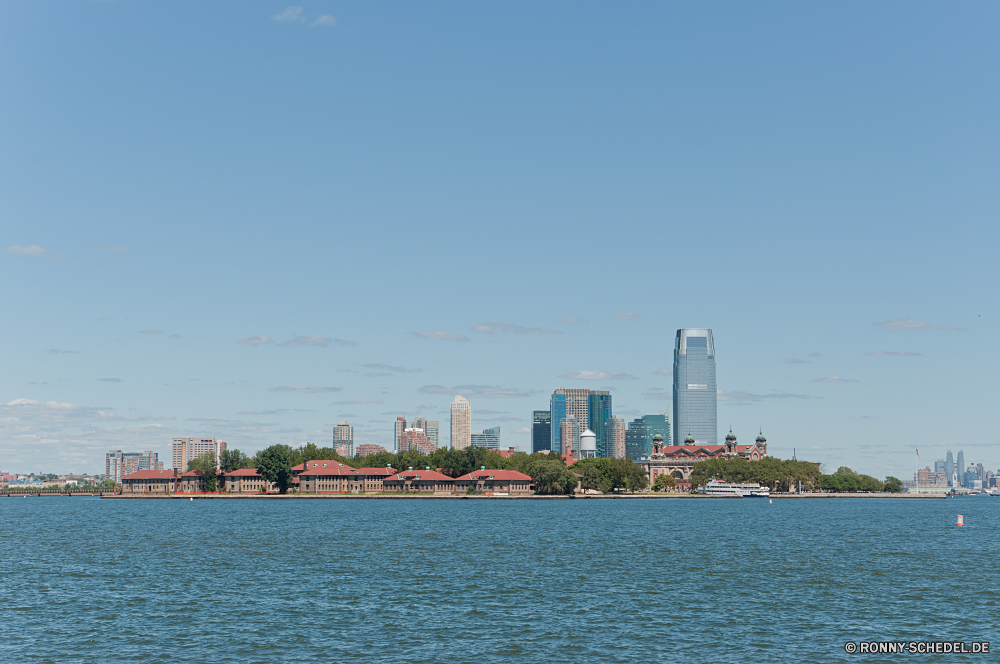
(246, 480)
(494, 482)
(193, 481)
(151, 482)
(425, 481)
(326, 476)
(374, 478)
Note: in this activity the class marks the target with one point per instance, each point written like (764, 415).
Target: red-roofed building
(494, 483)
(151, 482)
(193, 481)
(327, 476)
(375, 477)
(424, 481)
(506, 454)
(678, 460)
(246, 480)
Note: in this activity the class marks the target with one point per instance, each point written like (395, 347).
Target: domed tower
(689, 441)
(762, 443)
(657, 444)
(730, 442)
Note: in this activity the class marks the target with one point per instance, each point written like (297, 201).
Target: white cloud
(355, 402)
(628, 316)
(345, 342)
(308, 340)
(477, 391)
(325, 19)
(440, 335)
(910, 324)
(665, 372)
(30, 250)
(490, 327)
(290, 15)
(899, 353)
(112, 248)
(390, 367)
(573, 320)
(744, 398)
(596, 375)
(311, 389)
(256, 340)
(834, 379)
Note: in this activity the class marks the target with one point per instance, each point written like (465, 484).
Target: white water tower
(588, 445)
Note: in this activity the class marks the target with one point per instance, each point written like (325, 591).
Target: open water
(91, 580)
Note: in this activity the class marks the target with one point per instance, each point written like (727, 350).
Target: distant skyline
(251, 221)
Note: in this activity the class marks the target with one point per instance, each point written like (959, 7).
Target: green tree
(206, 464)
(231, 460)
(274, 464)
(664, 482)
(893, 485)
(591, 477)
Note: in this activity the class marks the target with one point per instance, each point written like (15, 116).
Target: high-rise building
(695, 401)
(400, 427)
(541, 431)
(343, 439)
(432, 430)
(569, 435)
(598, 412)
(960, 467)
(565, 402)
(118, 464)
(614, 437)
(185, 449)
(639, 436)
(949, 468)
(939, 466)
(488, 438)
(415, 439)
(461, 423)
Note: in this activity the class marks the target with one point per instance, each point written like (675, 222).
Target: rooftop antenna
(793, 455)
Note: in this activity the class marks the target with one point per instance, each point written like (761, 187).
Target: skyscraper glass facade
(639, 436)
(488, 438)
(695, 402)
(598, 412)
(541, 431)
(575, 402)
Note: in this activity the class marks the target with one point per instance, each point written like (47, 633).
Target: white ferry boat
(717, 488)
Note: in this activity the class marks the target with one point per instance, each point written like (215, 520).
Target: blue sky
(404, 201)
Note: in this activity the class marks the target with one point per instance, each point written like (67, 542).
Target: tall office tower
(614, 437)
(939, 466)
(564, 402)
(397, 434)
(695, 406)
(598, 412)
(980, 471)
(488, 438)
(949, 467)
(113, 465)
(569, 434)
(185, 449)
(960, 467)
(413, 439)
(541, 431)
(343, 439)
(432, 430)
(639, 436)
(461, 423)
(149, 460)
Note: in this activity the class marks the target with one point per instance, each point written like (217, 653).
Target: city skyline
(222, 268)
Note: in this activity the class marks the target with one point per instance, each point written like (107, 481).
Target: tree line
(549, 472)
(780, 475)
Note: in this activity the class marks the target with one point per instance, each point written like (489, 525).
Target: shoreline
(383, 496)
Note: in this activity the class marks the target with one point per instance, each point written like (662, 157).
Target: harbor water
(376, 580)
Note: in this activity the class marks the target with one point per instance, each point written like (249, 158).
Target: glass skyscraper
(488, 438)
(541, 431)
(695, 403)
(567, 401)
(639, 436)
(598, 413)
